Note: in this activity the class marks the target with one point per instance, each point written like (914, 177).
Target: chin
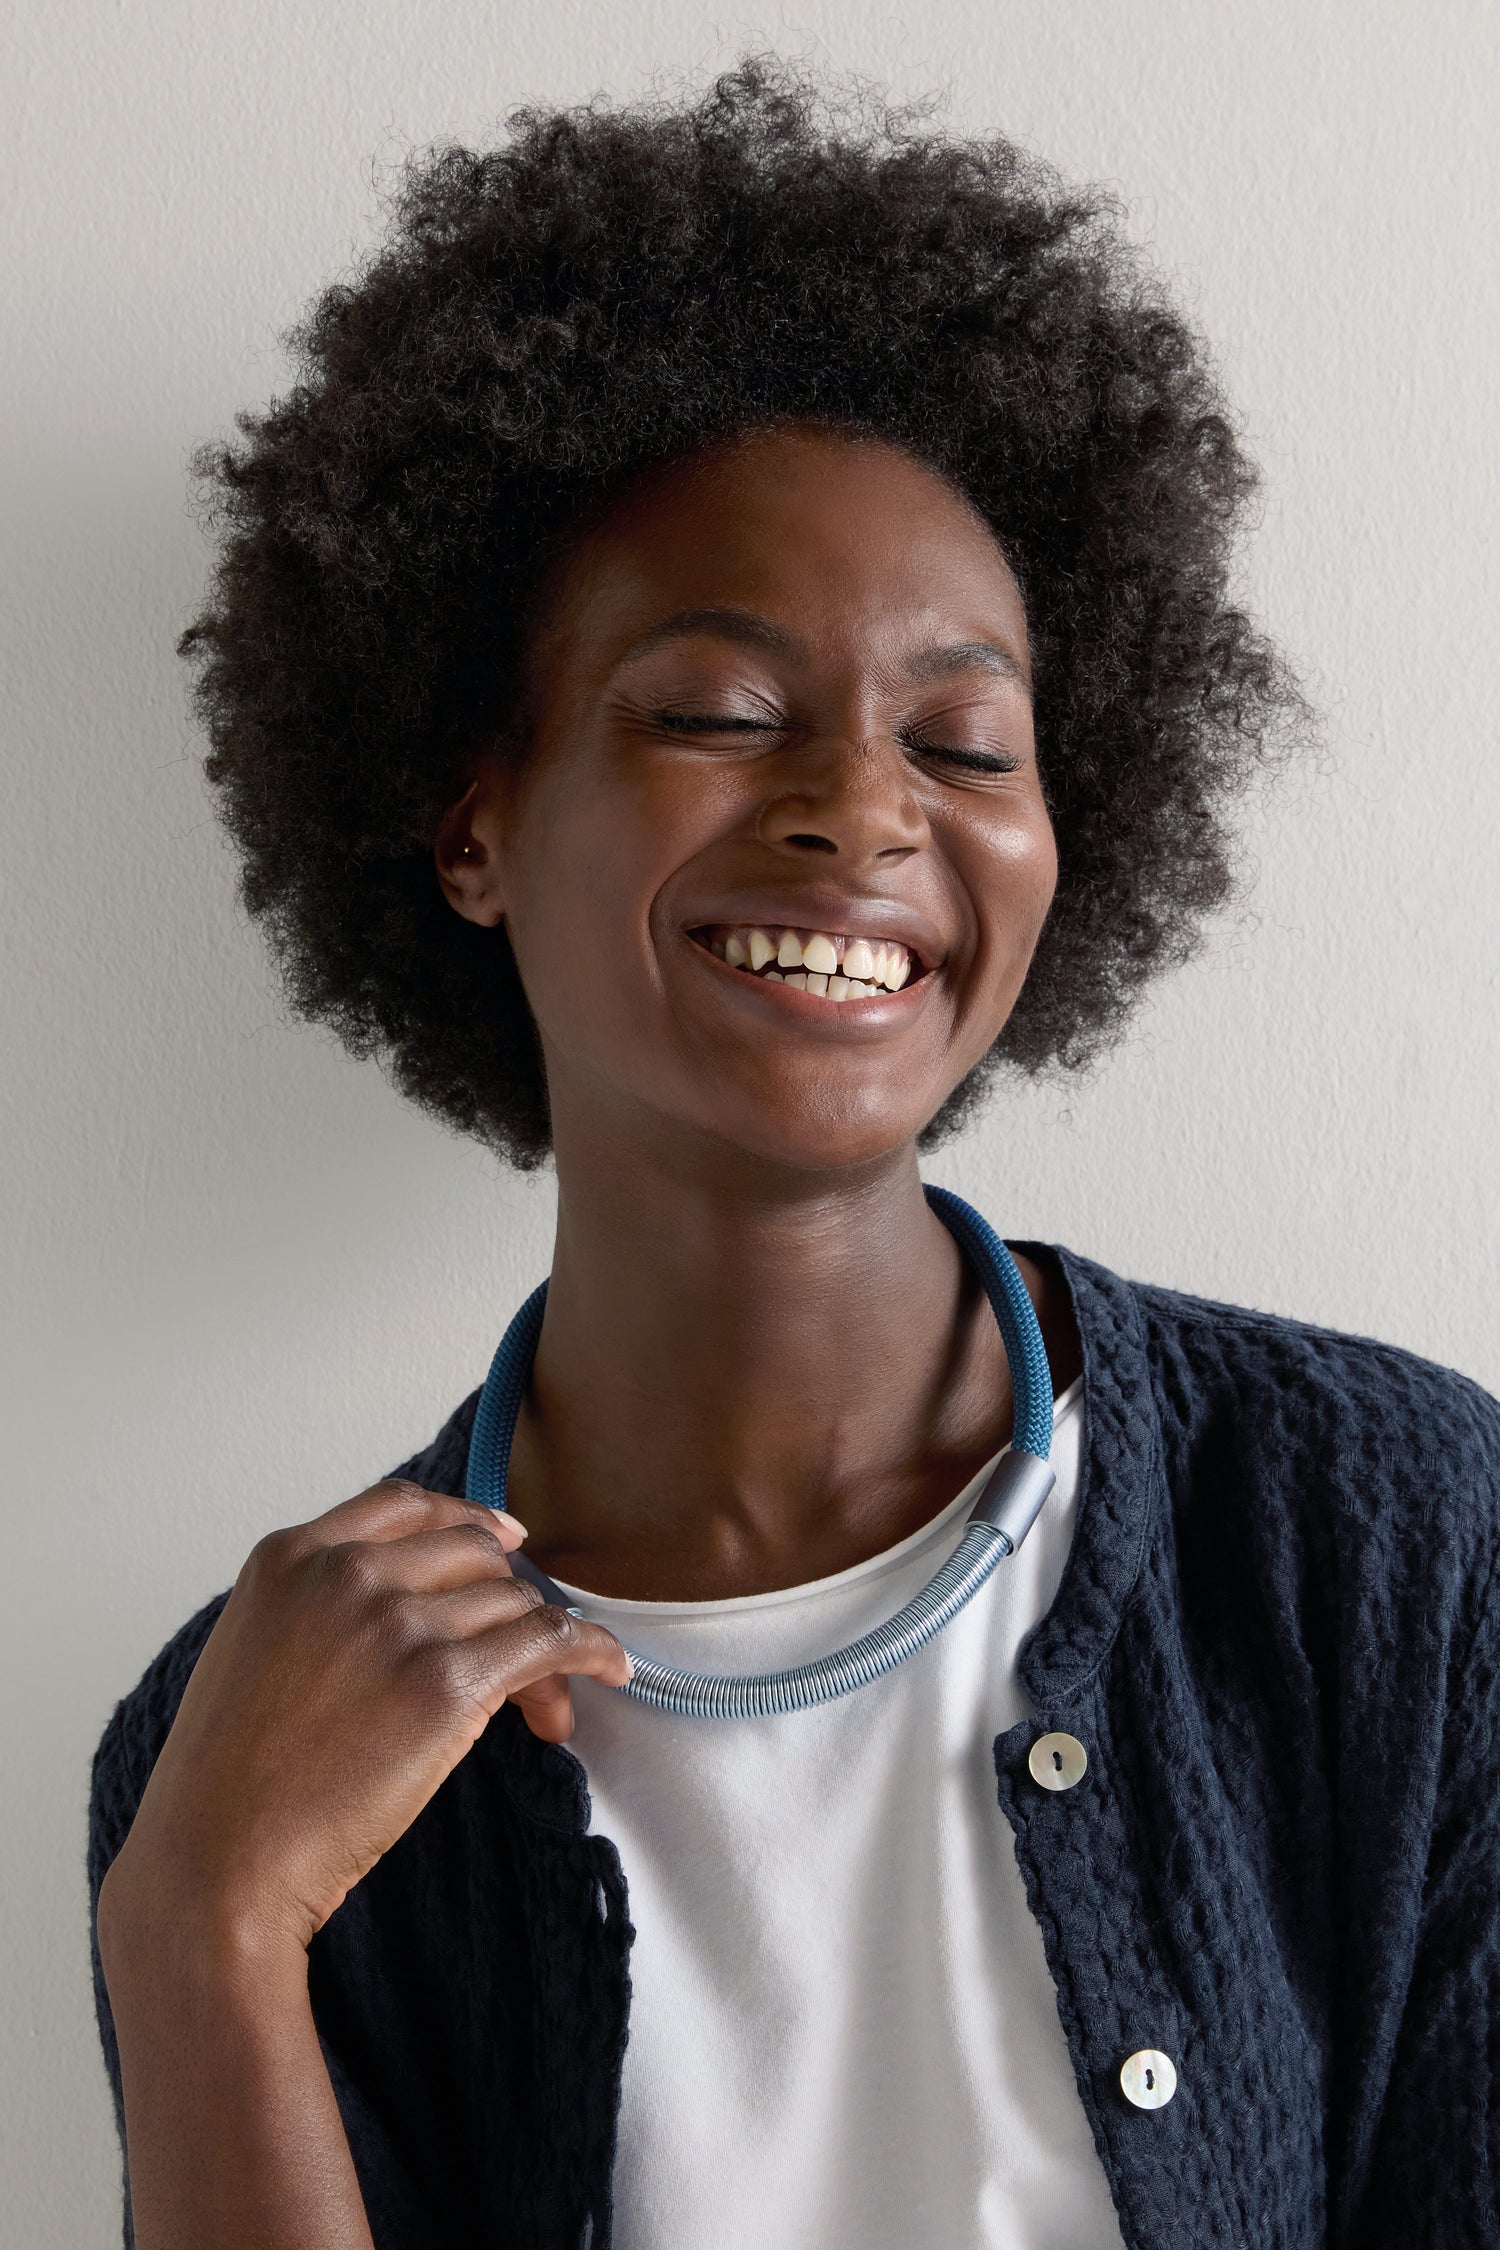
(821, 1139)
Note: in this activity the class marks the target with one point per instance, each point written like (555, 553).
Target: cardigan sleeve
(1434, 2175)
(114, 1795)
(380, 2142)
(127, 1751)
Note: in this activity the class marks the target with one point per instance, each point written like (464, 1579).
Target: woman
(726, 644)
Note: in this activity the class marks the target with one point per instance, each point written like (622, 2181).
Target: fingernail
(503, 1515)
(629, 1665)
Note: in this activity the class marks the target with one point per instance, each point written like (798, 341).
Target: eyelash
(974, 761)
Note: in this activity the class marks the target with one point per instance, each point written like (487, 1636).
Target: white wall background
(243, 1278)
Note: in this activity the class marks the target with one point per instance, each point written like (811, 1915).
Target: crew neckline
(873, 1566)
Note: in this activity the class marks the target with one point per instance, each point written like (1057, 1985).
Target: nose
(851, 799)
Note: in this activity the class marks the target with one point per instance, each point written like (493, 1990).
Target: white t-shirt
(843, 2031)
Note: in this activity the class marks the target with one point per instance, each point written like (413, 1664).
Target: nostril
(814, 843)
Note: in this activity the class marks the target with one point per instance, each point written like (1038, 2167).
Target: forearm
(233, 2136)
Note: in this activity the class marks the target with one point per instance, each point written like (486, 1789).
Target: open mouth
(823, 962)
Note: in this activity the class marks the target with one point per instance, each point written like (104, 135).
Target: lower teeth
(829, 988)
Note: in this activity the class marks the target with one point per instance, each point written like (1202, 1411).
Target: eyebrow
(752, 631)
(727, 624)
(967, 656)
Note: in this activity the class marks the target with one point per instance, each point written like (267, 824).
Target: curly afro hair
(613, 287)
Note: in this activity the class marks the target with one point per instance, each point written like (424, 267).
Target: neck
(748, 1378)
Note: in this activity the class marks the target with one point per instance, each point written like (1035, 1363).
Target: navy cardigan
(1277, 1636)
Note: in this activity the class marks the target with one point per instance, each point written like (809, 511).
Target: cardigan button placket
(1057, 1761)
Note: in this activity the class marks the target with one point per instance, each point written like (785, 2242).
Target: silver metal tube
(1013, 1496)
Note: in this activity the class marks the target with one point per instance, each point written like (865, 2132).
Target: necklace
(1005, 1511)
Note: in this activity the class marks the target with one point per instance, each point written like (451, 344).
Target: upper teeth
(843, 968)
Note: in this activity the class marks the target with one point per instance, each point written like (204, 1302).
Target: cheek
(572, 946)
(588, 862)
(558, 883)
(1014, 888)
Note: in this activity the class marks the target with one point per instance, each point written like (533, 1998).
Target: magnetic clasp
(1057, 1761)
(1012, 1499)
(1148, 2078)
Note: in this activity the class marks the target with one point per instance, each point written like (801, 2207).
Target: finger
(465, 1611)
(545, 1704)
(396, 1508)
(519, 1653)
(433, 1562)
(547, 1707)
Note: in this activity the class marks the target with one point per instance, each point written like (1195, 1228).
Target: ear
(467, 856)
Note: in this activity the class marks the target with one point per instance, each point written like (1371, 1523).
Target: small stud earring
(466, 851)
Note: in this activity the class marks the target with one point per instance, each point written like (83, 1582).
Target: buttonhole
(1150, 2081)
(1057, 1760)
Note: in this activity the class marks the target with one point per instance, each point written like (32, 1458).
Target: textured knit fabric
(1278, 1638)
(834, 1956)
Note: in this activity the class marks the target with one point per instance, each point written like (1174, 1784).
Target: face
(778, 860)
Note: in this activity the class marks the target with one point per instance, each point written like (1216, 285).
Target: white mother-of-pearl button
(1148, 2078)
(1057, 1760)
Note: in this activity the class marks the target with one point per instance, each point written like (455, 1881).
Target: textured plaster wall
(242, 1277)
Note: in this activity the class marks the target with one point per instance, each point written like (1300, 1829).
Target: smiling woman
(838, 741)
(615, 298)
(726, 645)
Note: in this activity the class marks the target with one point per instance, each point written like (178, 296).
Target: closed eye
(709, 722)
(695, 722)
(973, 761)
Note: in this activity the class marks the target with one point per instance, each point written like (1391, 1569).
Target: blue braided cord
(1030, 1376)
(982, 1547)
(499, 1407)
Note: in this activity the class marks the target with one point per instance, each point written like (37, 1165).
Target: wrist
(161, 1933)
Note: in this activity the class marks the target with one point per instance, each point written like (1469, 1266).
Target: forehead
(833, 536)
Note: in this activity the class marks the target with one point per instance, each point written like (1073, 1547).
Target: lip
(839, 913)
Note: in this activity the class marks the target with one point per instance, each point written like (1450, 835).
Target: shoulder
(1325, 1393)
(1362, 1447)
(142, 1720)
(1317, 1456)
